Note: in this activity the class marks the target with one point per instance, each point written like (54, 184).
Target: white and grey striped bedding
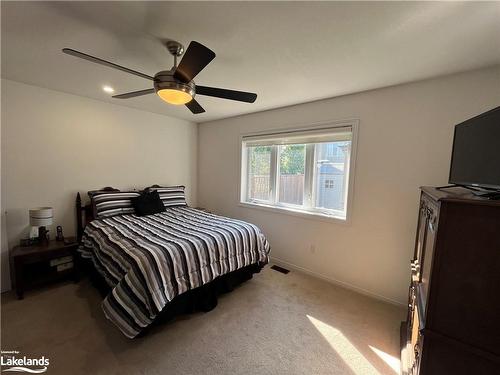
(110, 203)
(171, 196)
(149, 260)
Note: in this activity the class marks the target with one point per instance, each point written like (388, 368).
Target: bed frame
(201, 299)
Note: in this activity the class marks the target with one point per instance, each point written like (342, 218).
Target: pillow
(111, 203)
(148, 203)
(171, 196)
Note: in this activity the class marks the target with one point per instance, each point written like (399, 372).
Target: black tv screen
(475, 159)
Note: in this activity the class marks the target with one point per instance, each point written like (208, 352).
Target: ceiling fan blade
(196, 57)
(133, 94)
(97, 60)
(240, 96)
(195, 107)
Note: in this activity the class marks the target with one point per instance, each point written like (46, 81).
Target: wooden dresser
(453, 322)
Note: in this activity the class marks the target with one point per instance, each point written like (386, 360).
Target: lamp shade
(41, 216)
(174, 96)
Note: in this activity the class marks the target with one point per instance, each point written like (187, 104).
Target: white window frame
(309, 183)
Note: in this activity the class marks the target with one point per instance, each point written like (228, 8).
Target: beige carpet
(272, 324)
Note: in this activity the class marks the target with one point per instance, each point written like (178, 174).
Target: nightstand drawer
(35, 257)
(62, 260)
(64, 266)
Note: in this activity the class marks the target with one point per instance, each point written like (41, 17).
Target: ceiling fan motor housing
(165, 80)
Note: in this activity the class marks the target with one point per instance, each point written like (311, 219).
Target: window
(329, 184)
(292, 168)
(302, 171)
(259, 173)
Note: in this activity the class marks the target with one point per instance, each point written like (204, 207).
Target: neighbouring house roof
(329, 169)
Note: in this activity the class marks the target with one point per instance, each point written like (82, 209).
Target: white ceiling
(287, 52)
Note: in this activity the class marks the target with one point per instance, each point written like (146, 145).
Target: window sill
(290, 211)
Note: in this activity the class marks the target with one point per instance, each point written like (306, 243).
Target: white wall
(55, 145)
(405, 140)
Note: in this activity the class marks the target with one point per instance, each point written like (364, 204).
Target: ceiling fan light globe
(174, 96)
(172, 91)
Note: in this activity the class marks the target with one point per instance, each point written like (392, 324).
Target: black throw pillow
(148, 203)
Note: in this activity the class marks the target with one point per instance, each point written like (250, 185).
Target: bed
(150, 261)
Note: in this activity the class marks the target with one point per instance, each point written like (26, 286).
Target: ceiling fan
(176, 86)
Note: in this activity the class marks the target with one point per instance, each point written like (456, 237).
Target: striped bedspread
(149, 260)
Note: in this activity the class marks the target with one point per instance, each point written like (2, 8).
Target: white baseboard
(281, 262)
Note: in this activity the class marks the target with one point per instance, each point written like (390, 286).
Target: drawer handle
(415, 266)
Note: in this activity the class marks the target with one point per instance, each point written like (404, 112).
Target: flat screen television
(475, 159)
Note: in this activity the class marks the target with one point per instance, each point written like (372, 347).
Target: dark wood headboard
(85, 213)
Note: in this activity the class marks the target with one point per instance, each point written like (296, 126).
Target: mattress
(149, 260)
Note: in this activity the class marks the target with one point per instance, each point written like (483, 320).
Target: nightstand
(39, 264)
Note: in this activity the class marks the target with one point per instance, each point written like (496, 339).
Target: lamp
(171, 90)
(175, 96)
(41, 217)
